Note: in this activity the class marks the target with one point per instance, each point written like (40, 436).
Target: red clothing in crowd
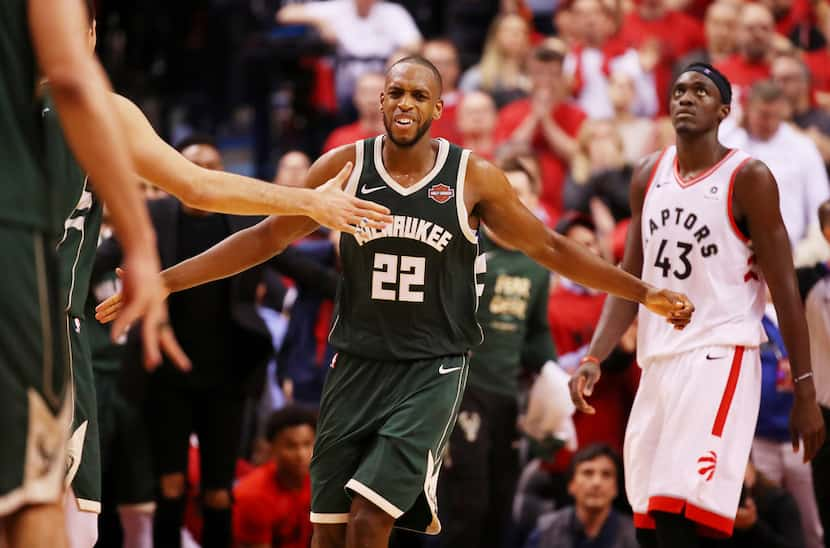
(569, 118)
(800, 12)
(346, 135)
(819, 64)
(742, 74)
(677, 34)
(446, 126)
(265, 513)
(573, 313)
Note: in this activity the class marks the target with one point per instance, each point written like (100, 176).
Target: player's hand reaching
(335, 209)
(124, 308)
(807, 425)
(582, 385)
(675, 307)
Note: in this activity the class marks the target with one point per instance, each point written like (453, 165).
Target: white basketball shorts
(689, 435)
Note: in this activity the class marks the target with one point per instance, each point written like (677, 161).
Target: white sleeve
(646, 103)
(396, 17)
(816, 184)
(328, 11)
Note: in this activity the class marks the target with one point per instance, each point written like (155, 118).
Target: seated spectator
(791, 157)
(292, 169)
(272, 503)
(546, 121)
(365, 33)
(591, 521)
(719, 32)
(443, 54)
(767, 516)
(655, 30)
(369, 117)
(635, 131)
(477, 122)
(596, 56)
(794, 78)
(599, 170)
(772, 451)
(751, 63)
(501, 71)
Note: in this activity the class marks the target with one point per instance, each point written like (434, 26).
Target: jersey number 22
(394, 276)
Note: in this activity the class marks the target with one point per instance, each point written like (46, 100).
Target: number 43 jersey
(692, 245)
(409, 292)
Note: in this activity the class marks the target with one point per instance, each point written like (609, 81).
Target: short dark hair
(424, 62)
(90, 11)
(591, 452)
(195, 139)
(289, 417)
(765, 91)
(546, 54)
(824, 214)
(526, 165)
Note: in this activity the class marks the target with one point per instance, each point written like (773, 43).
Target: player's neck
(418, 158)
(697, 153)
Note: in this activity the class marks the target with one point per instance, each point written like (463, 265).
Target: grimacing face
(410, 101)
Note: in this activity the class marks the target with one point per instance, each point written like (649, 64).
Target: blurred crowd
(575, 92)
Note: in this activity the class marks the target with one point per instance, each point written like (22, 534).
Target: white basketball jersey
(692, 245)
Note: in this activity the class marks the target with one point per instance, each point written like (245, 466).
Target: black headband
(716, 77)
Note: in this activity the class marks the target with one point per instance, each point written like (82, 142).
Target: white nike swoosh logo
(366, 190)
(443, 371)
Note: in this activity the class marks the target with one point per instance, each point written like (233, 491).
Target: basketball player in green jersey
(406, 308)
(40, 37)
(159, 164)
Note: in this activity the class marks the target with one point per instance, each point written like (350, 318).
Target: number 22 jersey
(692, 245)
(409, 292)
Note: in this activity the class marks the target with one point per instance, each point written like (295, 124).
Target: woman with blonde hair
(502, 71)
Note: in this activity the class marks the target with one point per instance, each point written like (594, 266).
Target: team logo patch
(441, 193)
(707, 463)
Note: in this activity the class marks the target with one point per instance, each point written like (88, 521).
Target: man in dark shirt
(591, 522)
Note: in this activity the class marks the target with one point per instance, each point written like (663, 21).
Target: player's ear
(380, 103)
(438, 109)
(724, 112)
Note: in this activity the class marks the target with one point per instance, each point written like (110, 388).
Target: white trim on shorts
(86, 505)
(325, 519)
(374, 498)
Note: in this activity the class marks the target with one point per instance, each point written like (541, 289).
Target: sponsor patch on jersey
(441, 193)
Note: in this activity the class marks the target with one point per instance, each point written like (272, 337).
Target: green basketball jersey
(24, 196)
(514, 315)
(80, 210)
(409, 291)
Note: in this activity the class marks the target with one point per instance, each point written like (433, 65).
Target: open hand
(675, 307)
(582, 384)
(335, 209)
(124, 308)
(807, 425)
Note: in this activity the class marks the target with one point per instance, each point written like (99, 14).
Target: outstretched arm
(212, 190)
(503, 213)
(755, 199)
(251, 246)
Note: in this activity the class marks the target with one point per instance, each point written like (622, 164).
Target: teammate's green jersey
(408, 292)
(80, 210)
(24, 189)
(514, 315)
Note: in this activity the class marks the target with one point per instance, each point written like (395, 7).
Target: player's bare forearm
(79, 88)
(756, 199)
(237, 253)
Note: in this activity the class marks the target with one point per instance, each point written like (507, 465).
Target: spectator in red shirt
(655, 30)
(272, 503)
(443, 54)
(369, 120)
(819, 63)
(477, 117)
(546, 121)
(751, 63)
